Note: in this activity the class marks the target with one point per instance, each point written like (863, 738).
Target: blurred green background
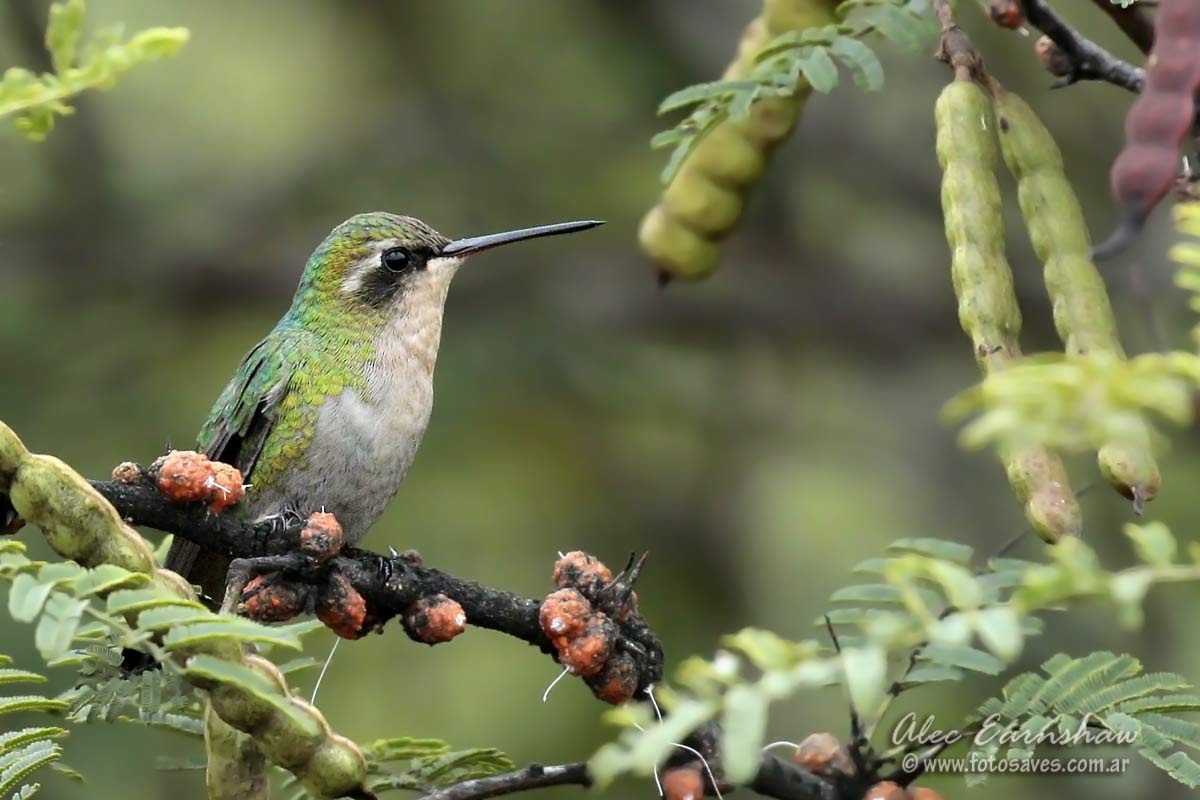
(758, 433)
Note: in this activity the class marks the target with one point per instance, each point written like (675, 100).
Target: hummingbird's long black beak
(476, 244)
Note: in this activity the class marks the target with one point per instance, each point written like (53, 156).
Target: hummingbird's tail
(201, 567)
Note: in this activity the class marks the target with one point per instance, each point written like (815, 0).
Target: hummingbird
(327, 412)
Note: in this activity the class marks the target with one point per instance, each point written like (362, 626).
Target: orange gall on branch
(586, 653)
(1006, 14)
(186, 476)
(342, 608)
(923, 793)
(434, 620)
(272, 598)
(582, 571)
(127, 472)
(683, 783)
(617, 682)
(563, 615)
(823, 754)
(322, 537)
(886, 790)
(1051, 57)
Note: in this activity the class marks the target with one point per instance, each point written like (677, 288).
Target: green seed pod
(987, 305)
(12, 453)
(704, 201)
(81, 525)
(76, 520)
(1082, 313)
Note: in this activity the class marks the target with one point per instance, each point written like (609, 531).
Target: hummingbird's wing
(234, 433)
(245, 412)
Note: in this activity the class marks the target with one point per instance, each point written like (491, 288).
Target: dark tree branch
(775, 778)
(389, 584)
(535, 776)
(1088, 60)
(1133, 21)
(778, 778)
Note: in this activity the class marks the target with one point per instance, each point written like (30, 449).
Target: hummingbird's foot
(283, 521)
(243, 570)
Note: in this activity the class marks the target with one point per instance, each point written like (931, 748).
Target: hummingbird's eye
(397, 259)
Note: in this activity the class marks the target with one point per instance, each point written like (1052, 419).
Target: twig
(776, 778)
(535, 776)
(390, 585)
(1133, 21)
(955, 47)
(1089, 61)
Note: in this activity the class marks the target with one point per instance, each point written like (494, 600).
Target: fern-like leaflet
(782, 65)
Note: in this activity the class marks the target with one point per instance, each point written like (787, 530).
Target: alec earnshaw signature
(995, 730)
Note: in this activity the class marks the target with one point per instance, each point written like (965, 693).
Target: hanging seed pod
(987, 305)
(1158, 121)
(704, 201)
(1082, 312)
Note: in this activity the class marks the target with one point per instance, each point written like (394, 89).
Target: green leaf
(155, 619)
(26, 597)
(743, 725)
(211, 670)
(1178, 702)
(229, 629)
(895, 25)
(1153, 542)
(932, 673)
(463, 765)
(128, 601)
(934, 548)
(866, 593)
(56, 629)
(962, 656)
(298, 665)
(106, 578)
(12, 739)
(404, 748)
(865, 670)
(819, 70)
(766, 650)
(640, 751)
(19, 676)
(702, 92)
(1000, 629)
(863, 63)
(63, 32)
(667, 138)
(17, 765)
(185, 763)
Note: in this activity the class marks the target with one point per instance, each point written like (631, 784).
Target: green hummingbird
(327, 412)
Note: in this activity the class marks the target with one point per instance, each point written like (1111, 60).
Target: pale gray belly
(355, 462)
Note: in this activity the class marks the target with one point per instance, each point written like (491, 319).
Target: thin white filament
(324, 667)
(553, 683)
(698, 754)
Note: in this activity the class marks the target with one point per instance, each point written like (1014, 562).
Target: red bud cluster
(583, 635)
